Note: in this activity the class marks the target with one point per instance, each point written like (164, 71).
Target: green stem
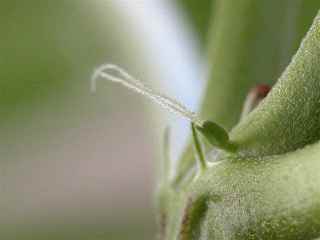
(198, 149)
(251, 42)
(166, 154)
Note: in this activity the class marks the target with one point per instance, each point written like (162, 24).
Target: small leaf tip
(217, 136)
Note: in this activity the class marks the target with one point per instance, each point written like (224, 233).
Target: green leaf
(256, 194)
(251, 43)
(289, 118)
(216, 136)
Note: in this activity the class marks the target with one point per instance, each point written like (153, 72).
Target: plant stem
(198, 149)
(251, 42)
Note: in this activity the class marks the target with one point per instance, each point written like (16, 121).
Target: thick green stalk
(271, 198)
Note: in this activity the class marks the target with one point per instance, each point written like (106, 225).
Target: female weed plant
(264, 180)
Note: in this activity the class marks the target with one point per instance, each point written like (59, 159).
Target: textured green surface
(270, 198)
(289, 117)
(269, 189)
(251, 42)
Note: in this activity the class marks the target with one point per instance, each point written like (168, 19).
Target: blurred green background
(76, 165)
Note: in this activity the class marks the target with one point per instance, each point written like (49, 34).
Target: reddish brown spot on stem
(255, 96)
(261, 90)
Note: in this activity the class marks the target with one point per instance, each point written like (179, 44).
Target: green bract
(289, 118)
(217, 136)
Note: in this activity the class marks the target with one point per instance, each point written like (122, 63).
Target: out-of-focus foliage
(199, 14)
(49, 50)
(291, 111)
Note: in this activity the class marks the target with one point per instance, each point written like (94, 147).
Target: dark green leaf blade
(216, 136)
